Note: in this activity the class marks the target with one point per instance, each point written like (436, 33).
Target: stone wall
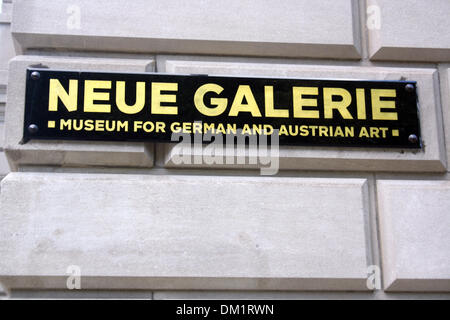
(137, 224)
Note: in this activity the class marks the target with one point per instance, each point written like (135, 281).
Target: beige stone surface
(68, 153)
(432, 158)
(220, 295)
(410, 30)
(444, 71)
(414, 219)
(295, 28)
(25, 294)
(183, 232)
(4, 166)
(7, 50)
(277, 295)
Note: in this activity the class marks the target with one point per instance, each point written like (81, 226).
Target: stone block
(183, 232)
(444, 71)
(294, 28)
(431, 158)
(409, 30)
(7, 50)
(68, 153)
(414, 234)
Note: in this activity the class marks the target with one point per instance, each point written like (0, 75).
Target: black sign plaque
(107, 106)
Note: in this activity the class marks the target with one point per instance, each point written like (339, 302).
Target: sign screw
(413, 138)
(409, 87)
(35, 75)
(32, 128)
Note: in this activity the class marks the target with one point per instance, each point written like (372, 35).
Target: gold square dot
(51, 124)
(395, 133)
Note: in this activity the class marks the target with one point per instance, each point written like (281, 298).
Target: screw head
(413, 138)
(32, 128)
(409, 87)
(35, 75)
